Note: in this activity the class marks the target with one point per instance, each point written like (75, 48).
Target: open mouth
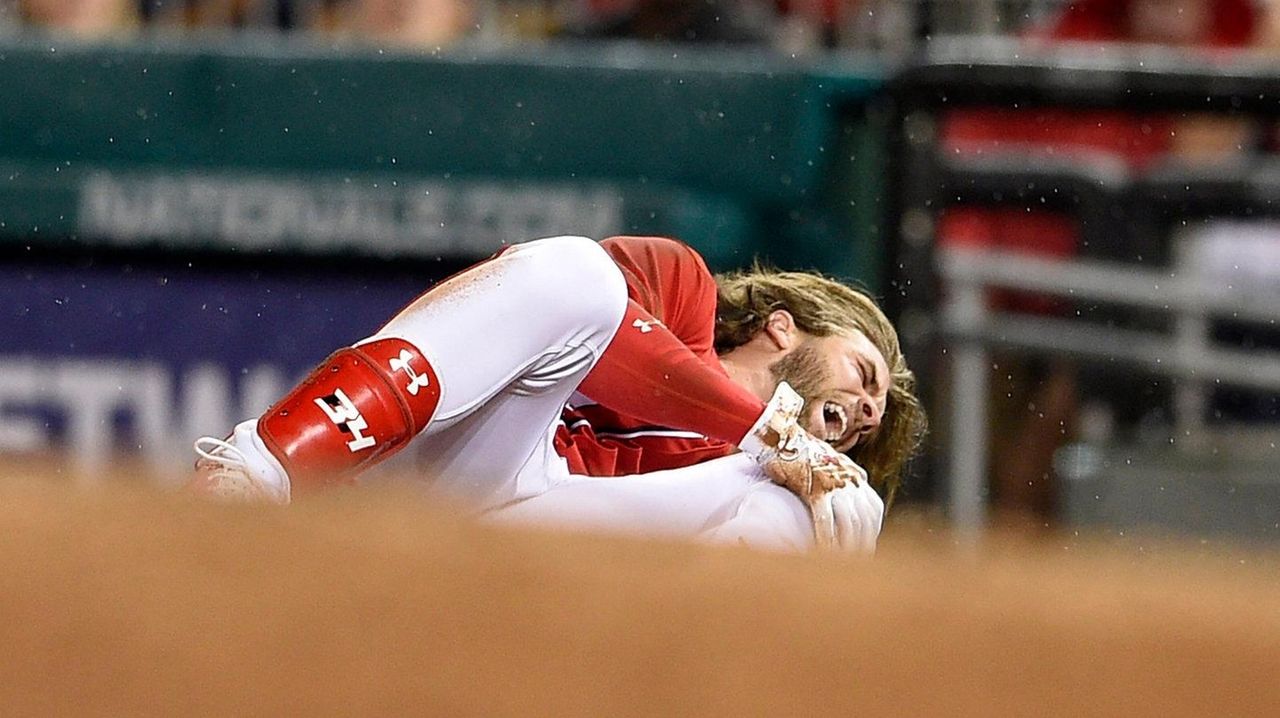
(835, 422)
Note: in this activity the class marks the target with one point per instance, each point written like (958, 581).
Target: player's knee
(600, 276)
(571, 257)
(581, 265)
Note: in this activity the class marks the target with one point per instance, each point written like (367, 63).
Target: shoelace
(223, 453)
(231, 471)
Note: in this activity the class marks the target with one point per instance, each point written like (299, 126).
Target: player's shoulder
(650, 243)
(653, 248)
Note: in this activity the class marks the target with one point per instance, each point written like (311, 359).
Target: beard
(805, 371)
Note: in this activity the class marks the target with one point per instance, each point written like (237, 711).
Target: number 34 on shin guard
(354, 410)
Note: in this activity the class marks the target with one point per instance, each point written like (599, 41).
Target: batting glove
(792, 457)
(848, 518)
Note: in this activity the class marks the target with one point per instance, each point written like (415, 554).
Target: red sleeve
(661, 366)
(671, 282)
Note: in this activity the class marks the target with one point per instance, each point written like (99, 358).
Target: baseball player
(562, 361)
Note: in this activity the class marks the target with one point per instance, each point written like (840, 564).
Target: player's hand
(792, 457)
(848, 518)
(811, 468)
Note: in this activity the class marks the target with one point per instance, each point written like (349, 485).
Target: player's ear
(781, 329)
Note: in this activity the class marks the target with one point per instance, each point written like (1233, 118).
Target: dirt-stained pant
(510, 340)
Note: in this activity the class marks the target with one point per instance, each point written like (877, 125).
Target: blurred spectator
(1269, 36)
(1199, 25)
(1210, 25)
(1174, 23)
(9, 15)
(707, 21)
(84, 18)
(423, 24)
(217, 13)
(1036, 404)
(790, 25)
(821, 21)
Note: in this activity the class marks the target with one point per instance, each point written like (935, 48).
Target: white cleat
(222, 473)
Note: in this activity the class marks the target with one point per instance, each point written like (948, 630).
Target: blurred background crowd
(892, 26)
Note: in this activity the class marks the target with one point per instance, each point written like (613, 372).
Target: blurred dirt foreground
(133, 603)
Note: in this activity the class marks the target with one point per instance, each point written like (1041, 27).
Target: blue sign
(105, 358)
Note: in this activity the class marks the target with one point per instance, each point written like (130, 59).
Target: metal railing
(1185, 353)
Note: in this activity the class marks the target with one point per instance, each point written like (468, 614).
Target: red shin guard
(357, 408)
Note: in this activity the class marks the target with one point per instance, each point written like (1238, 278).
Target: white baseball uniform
(507, 351)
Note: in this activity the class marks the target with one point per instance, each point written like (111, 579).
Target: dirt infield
(129, 603)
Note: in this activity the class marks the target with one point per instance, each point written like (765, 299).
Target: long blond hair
(824, 307)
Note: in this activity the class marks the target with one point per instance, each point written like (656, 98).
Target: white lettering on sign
(92, 410)
(386, 216)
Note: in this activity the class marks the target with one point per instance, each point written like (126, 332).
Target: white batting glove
(791, 456)
(848, 518)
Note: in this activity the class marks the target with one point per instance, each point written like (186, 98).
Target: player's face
(844, 380)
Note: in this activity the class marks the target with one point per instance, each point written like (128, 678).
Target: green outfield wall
(275, 146)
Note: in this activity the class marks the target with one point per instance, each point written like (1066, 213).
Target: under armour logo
(645, 326)
(416, 381)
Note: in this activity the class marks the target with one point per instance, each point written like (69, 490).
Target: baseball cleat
(222, 473)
